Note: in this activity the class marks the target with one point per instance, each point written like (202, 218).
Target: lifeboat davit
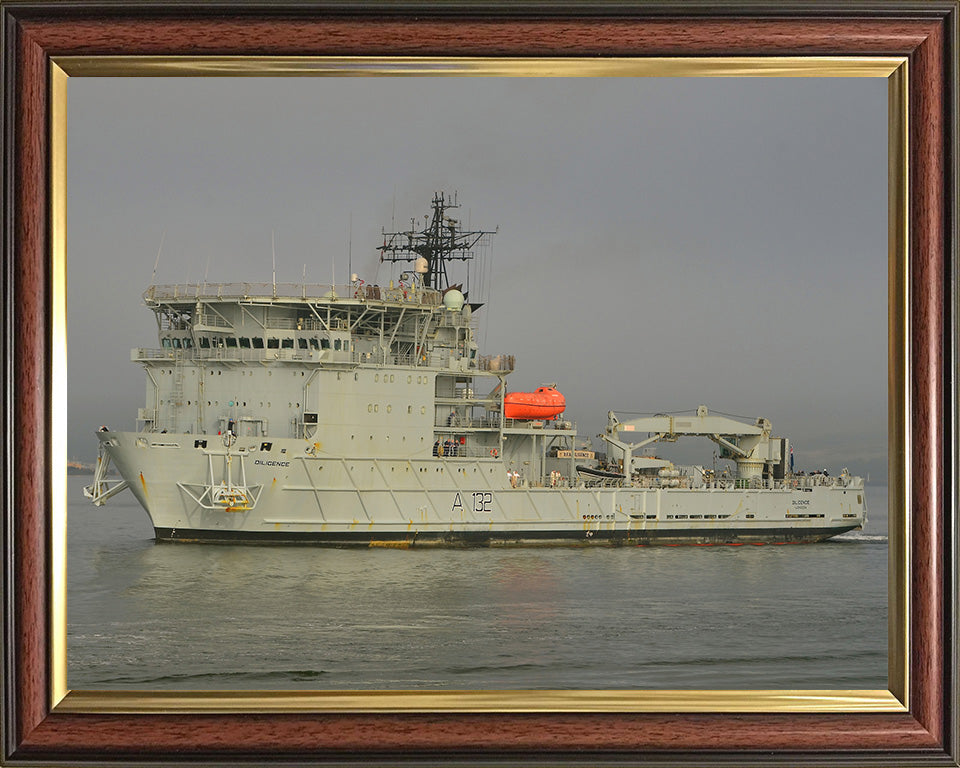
(545, 403)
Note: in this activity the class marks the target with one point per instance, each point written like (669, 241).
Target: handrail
(311, 292)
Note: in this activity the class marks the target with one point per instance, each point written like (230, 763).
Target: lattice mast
(439, 242)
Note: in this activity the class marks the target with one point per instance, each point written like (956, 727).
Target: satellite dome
(420, 266)
(453, 300)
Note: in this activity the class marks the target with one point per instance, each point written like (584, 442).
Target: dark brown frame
(925, 32)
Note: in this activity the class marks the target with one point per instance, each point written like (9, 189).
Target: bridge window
(257, 342)
(287, 344)
(231, 342)
(188, 343)
(204, 342)
(176, 342)
(314, 344)
(244, 343)
(324, 343)
(302, 343)
(273, 343)
(336, 344)
(166, 342)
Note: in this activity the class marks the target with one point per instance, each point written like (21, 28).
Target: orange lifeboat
(545, 403)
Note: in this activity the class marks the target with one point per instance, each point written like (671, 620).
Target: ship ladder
(101, 489)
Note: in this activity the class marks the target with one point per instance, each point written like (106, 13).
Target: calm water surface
(187, 616)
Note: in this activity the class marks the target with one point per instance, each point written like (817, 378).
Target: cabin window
(273, 343)
(257, 342)
(176, 342)
(204, 342)
(324, 343)
(166, 342)
(287, 344)
(188, 343)
(302, 343)
(231, 342)
(314, 344)
(346, 345)
(244, 343)
(336, 344)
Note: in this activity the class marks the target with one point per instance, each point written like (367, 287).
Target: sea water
(207, 616)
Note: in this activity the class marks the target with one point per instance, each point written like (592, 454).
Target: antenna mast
(153, 277)
(440, 241)
(273, 249)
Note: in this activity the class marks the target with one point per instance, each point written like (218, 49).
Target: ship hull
(501, 539)
(303, 498)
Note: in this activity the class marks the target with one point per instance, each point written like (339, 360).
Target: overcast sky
(662, 242)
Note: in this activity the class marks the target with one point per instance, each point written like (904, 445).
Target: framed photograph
(49, 47)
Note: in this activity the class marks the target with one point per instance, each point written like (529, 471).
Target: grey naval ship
(361, 415)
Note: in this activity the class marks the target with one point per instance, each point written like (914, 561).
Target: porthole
(376, 407)
(369, 407)
(389, 408)
(423, 409)
(409, 379)
(208, 402)
(376, 377)
(409, 409)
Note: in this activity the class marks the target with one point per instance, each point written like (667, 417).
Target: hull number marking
(482, 501)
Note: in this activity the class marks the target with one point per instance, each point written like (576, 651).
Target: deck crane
(749, 445)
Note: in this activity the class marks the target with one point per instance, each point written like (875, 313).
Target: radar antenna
(440, 241)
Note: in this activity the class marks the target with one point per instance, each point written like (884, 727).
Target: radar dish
(453, 300)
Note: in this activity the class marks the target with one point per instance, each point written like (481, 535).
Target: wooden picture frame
(39, 730)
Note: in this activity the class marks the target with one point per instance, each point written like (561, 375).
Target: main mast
(440, 241)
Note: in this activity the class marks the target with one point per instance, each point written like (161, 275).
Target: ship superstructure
(366, 415)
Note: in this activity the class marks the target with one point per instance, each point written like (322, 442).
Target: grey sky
(663, 242)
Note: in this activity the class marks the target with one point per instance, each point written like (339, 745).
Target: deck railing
(313, 292)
